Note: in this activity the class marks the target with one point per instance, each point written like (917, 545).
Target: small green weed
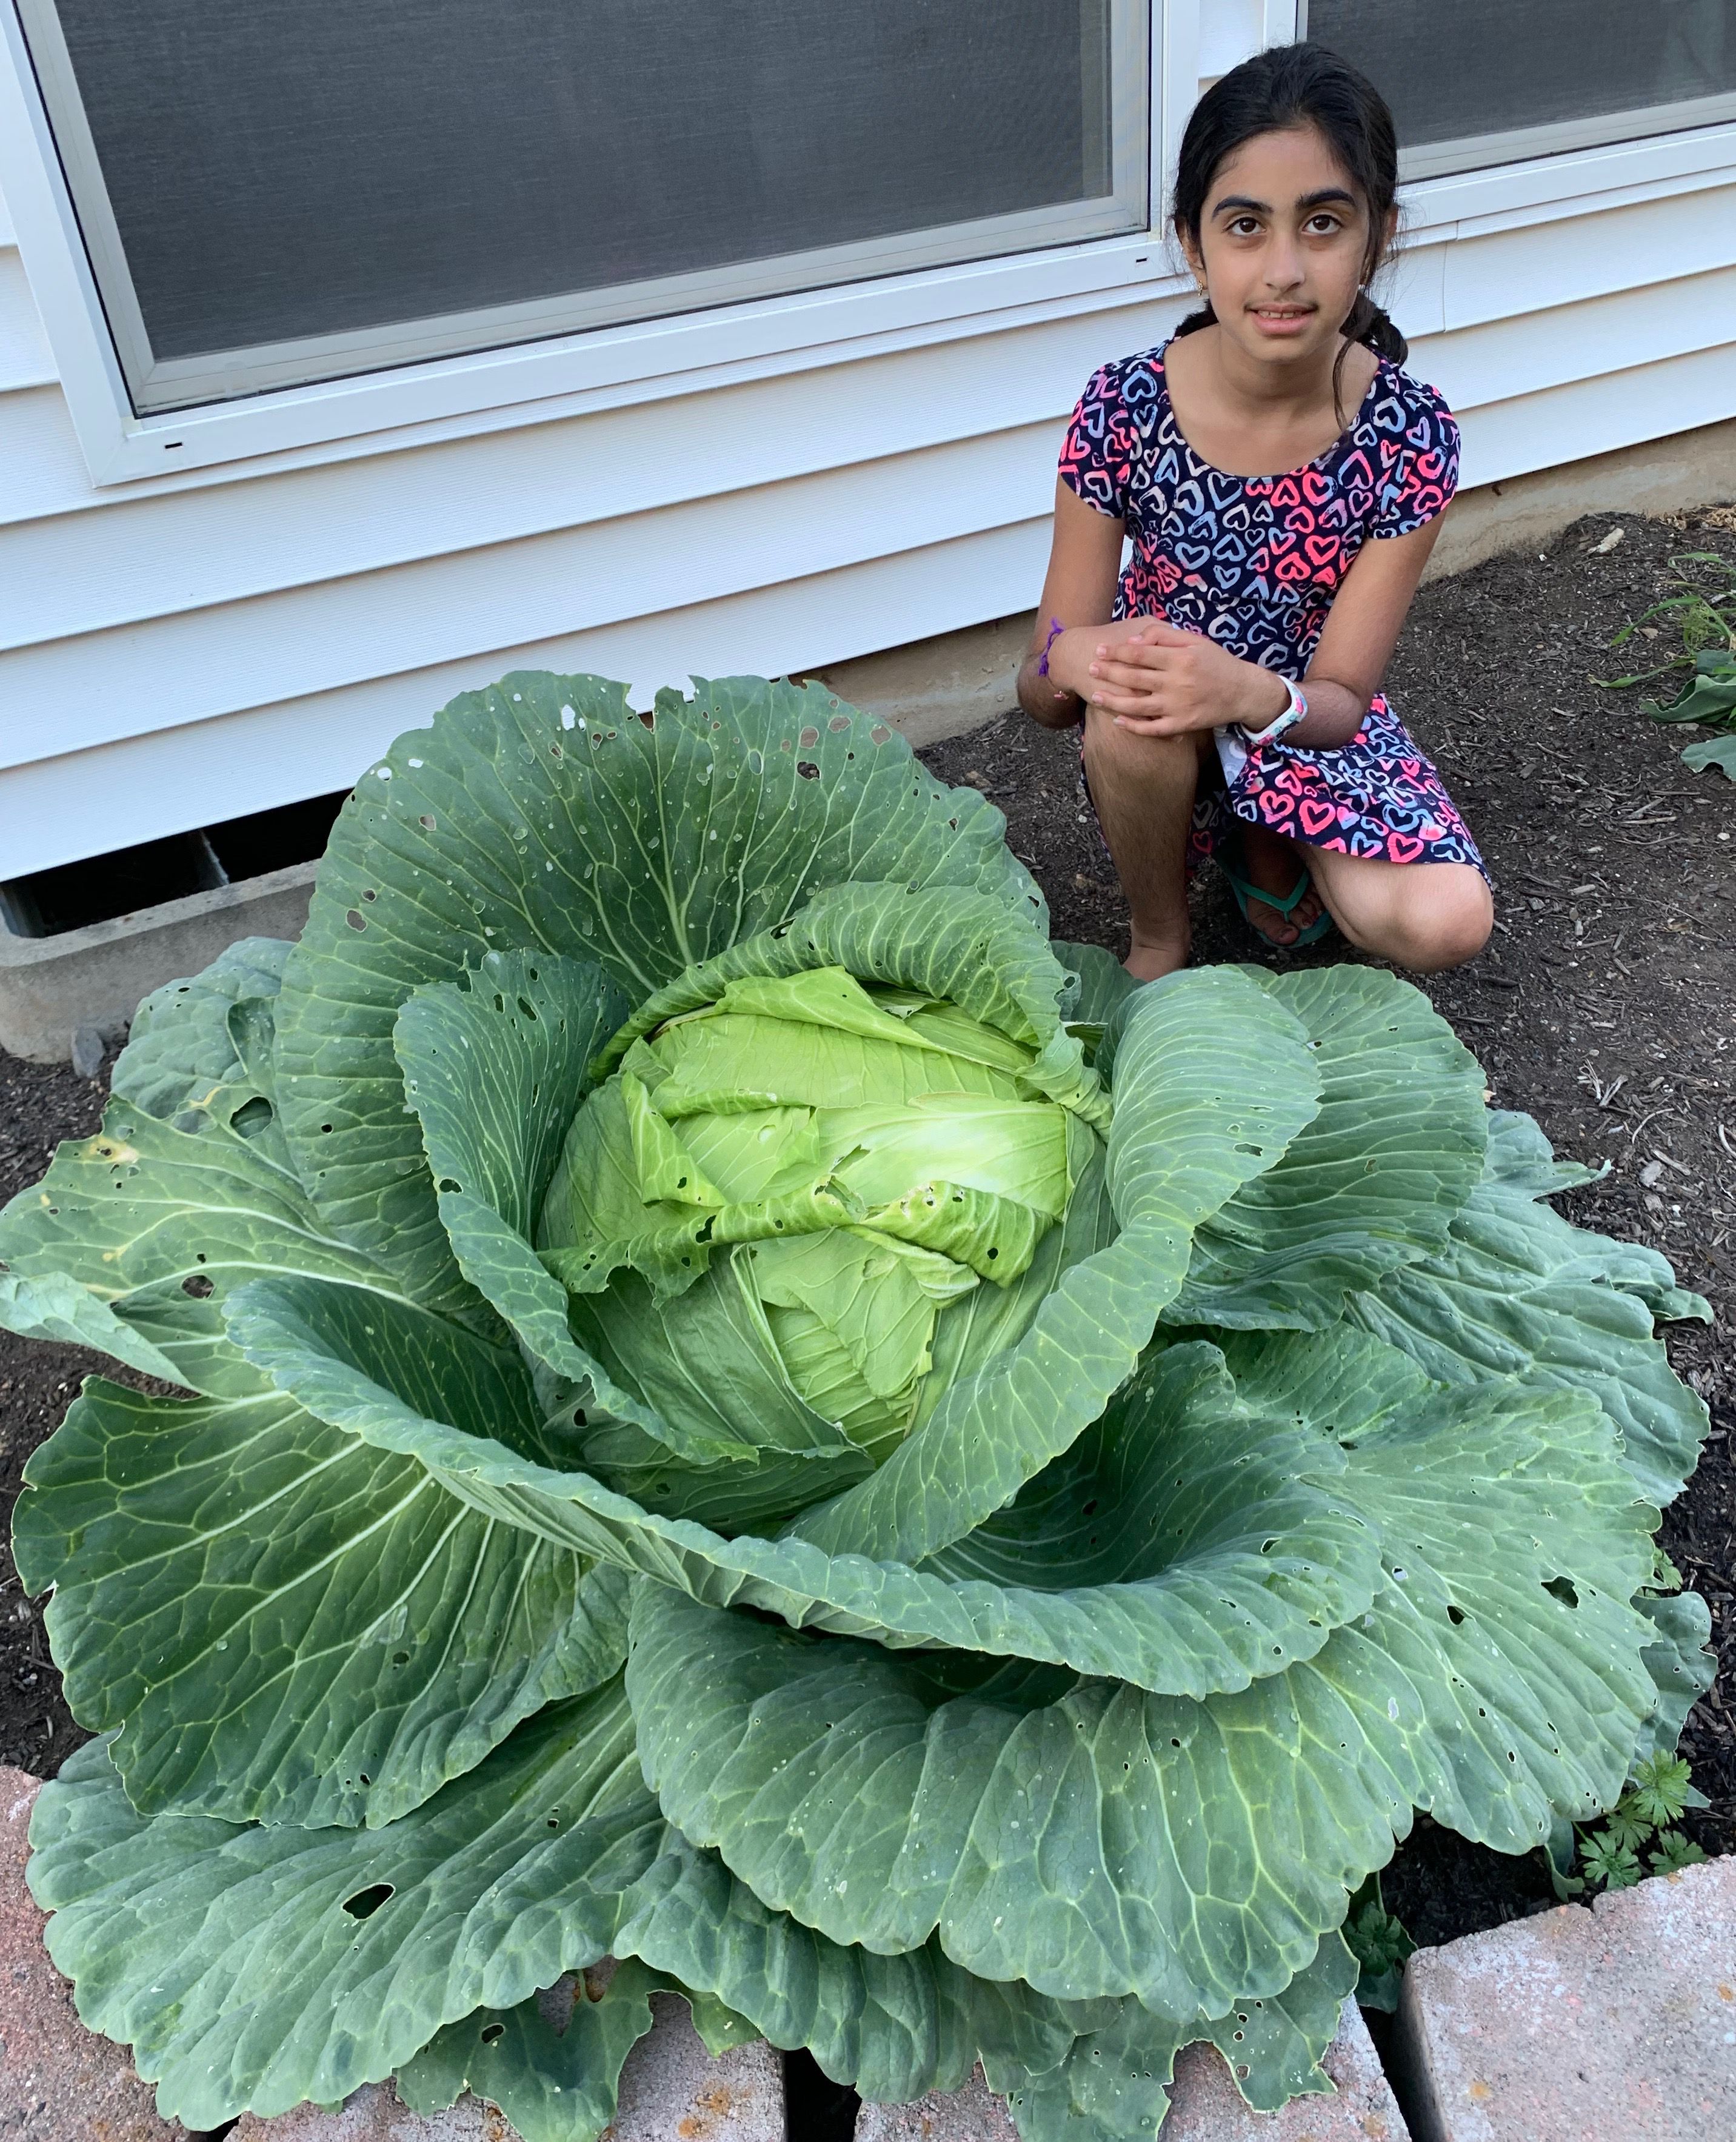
(1702, 614)
(1379, 1943)
(1660, 1791)
(1607, 1863)
(1609, 1858)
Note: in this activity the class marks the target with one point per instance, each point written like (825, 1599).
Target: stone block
(1205, 2104)
(672, 2091)
(375, 2115)
(1616, 2024)
(974, 2114)
(59, 2082)
(50, 987)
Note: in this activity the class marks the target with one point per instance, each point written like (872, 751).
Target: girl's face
(1283, 243)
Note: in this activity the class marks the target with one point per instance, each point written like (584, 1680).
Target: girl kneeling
(1228, 681)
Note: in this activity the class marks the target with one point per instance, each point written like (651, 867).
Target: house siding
(188, 649)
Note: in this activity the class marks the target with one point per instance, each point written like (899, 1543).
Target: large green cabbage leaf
(745, 1411)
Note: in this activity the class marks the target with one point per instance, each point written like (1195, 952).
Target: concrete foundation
(50, 987)
(1674, 474)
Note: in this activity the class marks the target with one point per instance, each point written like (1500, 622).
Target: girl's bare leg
(1424, 916)
(1143, 789)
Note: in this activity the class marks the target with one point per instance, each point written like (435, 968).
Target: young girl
(1228, 680)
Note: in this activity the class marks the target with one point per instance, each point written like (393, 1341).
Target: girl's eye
(1244, 226)
(1324, 224)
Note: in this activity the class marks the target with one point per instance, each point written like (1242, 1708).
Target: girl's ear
(1192, 254)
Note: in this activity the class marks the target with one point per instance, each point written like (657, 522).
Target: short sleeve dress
(1254, 562)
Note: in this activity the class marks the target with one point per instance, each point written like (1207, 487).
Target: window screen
(1536, 75)
(276, 190)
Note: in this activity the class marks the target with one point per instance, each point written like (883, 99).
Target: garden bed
(1600, 1007)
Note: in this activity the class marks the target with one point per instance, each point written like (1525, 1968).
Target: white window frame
(1190, 40)
(166, 385)
(1477, 152)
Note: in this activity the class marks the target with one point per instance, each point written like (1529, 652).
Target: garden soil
(1605, 1005)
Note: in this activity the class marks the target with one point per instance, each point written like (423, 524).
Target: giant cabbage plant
(740, 1409)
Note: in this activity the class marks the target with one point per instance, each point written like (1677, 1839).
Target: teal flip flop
(1244, 892)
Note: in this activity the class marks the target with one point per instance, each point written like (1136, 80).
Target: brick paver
(58, 2081)
(1616, 2024)
(1206, 2105)
(974, 2114)
(374, 2114)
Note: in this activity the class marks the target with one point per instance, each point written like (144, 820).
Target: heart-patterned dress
(1254, 563)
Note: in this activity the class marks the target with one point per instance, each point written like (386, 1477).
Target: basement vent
(48, 903)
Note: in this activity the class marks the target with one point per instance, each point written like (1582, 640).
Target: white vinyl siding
(190, 648)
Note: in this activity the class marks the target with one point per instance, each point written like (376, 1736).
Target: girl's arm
(1168, 681)
(1084, 566)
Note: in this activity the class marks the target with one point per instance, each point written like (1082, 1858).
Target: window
(274, 195)
(1474, 83)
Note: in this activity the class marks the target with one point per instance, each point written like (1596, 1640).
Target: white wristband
(1296, 711)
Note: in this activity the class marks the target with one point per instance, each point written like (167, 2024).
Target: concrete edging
(1612, 2024)
(50, 987)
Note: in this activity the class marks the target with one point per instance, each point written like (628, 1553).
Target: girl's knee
(1444, 923)
(1137, 761)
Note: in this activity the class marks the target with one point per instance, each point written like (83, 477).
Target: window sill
(1572, 182)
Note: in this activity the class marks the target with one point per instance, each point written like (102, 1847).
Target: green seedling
(1605, 1860)
(1704, 616)
(1656, 1799)
(1380, 1944)
(1675, 1852)
(1660, 1790)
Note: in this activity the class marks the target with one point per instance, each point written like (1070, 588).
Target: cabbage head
(732, 1406)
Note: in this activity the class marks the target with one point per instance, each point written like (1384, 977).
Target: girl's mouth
(1282, 319)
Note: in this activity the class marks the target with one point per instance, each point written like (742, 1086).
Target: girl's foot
(1273, 864)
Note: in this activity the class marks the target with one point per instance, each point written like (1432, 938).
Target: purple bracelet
(1055, 627)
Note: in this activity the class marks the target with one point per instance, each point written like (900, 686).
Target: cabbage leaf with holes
(722, 1401)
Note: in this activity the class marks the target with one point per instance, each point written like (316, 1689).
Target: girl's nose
(1283, 266)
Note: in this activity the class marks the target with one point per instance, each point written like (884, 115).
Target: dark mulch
(1612, 961)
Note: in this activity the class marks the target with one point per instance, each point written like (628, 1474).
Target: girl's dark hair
(1298, 85)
